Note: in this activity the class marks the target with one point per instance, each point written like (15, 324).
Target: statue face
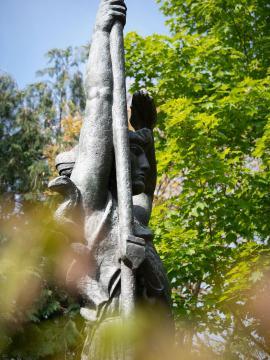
(139, 168)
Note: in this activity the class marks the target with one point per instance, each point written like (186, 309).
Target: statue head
(140, 140)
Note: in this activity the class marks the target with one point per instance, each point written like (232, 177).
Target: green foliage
(22, 139)
(32, 118)
(242, 24)
(37, 318)
(65, 88)
(210, 79)
(50, 339)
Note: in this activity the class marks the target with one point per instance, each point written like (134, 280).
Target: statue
(89, 182)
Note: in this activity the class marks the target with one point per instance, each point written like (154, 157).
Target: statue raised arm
(95, 153)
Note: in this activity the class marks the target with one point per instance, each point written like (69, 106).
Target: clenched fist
(109, 11)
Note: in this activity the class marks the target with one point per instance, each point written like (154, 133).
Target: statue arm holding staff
(94, 161)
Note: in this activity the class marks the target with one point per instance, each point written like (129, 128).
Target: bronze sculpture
(88, 180)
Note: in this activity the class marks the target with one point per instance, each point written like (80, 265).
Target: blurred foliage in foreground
(210, 80)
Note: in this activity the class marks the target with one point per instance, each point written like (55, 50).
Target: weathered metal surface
(108, 182)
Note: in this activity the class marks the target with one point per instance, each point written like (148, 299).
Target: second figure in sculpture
(88, 181)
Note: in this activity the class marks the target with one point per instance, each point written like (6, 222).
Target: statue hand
(135, 252)
(110, 11)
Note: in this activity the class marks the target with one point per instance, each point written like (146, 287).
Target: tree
(210, 80)
(38, 318)
(66, 82)
(22, 140)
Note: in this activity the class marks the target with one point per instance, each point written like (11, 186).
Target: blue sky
(29, 28)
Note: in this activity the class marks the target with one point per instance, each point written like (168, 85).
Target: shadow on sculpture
(89, 212)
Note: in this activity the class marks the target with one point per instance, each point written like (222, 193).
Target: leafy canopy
(210, 79)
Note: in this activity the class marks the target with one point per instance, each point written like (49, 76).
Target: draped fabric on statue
(100, 287)
(101, 284)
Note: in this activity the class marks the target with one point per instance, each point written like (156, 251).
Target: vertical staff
(122, 159)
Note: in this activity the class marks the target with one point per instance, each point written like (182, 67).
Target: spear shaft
(122, 160)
